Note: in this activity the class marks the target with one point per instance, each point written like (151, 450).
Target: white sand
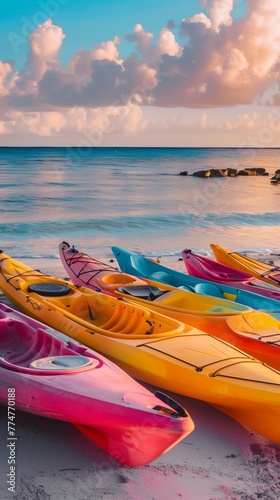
(219, 460)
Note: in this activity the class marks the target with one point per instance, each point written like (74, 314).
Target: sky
(152, 73)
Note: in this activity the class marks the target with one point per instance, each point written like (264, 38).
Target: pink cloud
(220, 62)
(165, 44)
(45, 43)
(141, 39)
(219, 11)
(92, 124)
(233, 65)
(6, 70)
(81, 61)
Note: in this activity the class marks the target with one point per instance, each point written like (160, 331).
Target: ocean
(94, 198)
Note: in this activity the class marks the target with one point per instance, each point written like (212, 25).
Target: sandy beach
(219, 460)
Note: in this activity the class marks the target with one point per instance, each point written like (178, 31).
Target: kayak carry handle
(179, 410)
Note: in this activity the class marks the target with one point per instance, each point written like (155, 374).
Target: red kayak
(46, 373)
(205, 268)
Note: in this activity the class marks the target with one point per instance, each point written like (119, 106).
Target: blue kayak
(140, 266)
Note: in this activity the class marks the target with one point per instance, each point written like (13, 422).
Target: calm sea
(135, 198)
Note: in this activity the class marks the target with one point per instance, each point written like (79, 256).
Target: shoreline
(54, 266)
(219, 460)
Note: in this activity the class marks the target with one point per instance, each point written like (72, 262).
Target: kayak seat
(162, 276)
(208, 289)
(61, 362)
(49, 289)
(147, 292)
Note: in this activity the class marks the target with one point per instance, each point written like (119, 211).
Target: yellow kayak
(151, 347)
(264, 272)
(254, 332)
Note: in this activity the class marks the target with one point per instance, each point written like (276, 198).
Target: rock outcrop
(228, 172)
(202, 173)
(276, 178)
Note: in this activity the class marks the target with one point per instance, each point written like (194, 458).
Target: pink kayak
(85, 271)
(207, 269)
(46, 373)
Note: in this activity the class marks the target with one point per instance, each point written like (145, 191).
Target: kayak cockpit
(23, 348)
(147, 292)
(182, 299)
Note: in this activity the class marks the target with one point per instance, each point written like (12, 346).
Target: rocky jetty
(232, 172)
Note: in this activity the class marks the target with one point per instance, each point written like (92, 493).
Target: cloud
(197, 18)
(37, 123)
(92, 124)
(6, 70)
(45, 43)
(219, 11)
(165, 44)
(254, 122)
(80, 63)
(233, 61)
(219, 62)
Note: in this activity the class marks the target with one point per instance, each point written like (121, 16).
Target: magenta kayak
(208, 269)
(46, 373)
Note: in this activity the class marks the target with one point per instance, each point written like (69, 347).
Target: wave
(146, 222)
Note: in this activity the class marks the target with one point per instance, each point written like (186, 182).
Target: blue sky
(89, 22)
(85, 22)
(154, 72)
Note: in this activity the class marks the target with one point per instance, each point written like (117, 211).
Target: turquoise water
(135, 198)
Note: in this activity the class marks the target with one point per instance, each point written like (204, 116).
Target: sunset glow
(210, 78)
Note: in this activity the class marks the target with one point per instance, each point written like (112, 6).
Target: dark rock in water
(228, 172)
(232, 172)
(247, 172)
(258, 170)
(275, 179)
(202, 173)
(277, 171)
(216, 172)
